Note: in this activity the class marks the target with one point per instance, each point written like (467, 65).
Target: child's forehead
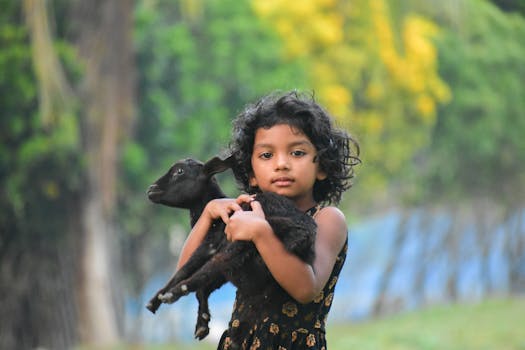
(280, 134)
(283, 127)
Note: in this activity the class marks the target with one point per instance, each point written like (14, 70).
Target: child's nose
(282, 162)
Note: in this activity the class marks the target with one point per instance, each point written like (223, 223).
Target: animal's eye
(178, 171)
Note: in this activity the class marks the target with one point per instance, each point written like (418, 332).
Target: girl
(285, 144)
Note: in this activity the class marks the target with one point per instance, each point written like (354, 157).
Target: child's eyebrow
(301, 143)
(292, 144)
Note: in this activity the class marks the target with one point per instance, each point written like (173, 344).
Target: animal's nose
(152, 189)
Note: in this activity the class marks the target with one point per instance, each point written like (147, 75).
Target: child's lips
(282, 181)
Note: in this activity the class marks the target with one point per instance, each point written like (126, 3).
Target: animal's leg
(198, 259)
(203, 318)
(212, 270)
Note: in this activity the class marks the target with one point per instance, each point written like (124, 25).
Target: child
(285, 144)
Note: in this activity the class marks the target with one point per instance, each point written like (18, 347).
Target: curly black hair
(337, 151)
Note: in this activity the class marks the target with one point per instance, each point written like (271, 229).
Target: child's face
(283, 162)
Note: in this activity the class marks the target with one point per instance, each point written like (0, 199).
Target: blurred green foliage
(195, 73)
(199, 62)
(40, 167)
(196, 69)
(478, 148)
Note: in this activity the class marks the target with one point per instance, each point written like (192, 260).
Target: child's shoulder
(331, 213)
(331, 224)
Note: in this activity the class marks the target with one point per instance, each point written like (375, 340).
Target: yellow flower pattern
(333, 282)
(287, 325)
(256, 344)
(290, 309)
(294, 336)
(319, 297)
(227, 343)
(310, 340)
(329, 299)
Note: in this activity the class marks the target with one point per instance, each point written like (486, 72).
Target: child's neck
(304, 205)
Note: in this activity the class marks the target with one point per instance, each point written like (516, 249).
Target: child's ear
(253, 181)
(321, 175)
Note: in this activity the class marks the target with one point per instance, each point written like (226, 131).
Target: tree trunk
(381, 302)
(425, 255)
(486, 220)
(451, 245)
(514, 250)
(36, 274)
(102, 33)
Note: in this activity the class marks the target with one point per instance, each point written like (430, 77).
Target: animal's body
(190, 184)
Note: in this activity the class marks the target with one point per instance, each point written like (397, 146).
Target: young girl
(285, 144)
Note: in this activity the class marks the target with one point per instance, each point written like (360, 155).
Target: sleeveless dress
(282, 323)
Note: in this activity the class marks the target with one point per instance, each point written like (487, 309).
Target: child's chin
(285, 192)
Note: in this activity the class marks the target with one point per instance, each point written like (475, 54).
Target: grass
(492, 324)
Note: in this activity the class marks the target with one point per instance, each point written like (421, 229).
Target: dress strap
(313, 210)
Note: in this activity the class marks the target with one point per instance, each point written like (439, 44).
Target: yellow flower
(310, 340)
(329, 299)
(319, 297)
(290, 309)
(332, 282)
(256, 344)
(235, 323)
(227, 343)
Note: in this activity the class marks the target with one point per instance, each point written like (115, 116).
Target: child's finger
(225, 217)
(235, 207)
(257, 208)
(244, 198)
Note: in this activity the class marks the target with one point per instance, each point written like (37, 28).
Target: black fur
(190, 184)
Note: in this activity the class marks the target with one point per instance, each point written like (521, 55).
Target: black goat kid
(190, 184)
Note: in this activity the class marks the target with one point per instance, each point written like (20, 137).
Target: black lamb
(190, 184)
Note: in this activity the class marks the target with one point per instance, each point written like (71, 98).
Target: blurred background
(98, 98)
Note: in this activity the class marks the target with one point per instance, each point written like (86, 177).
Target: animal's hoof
(201, 332)
(154, 304)
(150, 307)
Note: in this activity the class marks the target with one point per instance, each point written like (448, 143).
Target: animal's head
(187, 182)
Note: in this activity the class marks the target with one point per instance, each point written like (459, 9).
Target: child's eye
(298, 153)
(265, 155)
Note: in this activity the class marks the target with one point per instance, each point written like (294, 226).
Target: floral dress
(281, 322)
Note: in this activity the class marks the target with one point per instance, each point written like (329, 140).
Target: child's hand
(224, 207)
(247, 225)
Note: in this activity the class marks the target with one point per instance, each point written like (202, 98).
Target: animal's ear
(217, 165)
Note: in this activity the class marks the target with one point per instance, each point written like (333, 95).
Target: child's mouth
(283, 181)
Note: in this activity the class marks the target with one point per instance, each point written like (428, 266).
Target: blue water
(370, 247)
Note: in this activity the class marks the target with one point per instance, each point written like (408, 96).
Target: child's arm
(302, 281)
(217, 208)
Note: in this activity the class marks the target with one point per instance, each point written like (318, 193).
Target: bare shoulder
(331, 226)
